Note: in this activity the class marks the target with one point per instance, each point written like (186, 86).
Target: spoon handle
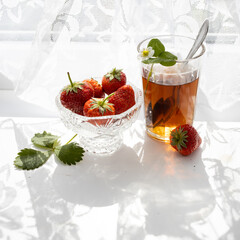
(199, 39)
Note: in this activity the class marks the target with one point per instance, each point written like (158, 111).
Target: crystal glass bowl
(101, 135)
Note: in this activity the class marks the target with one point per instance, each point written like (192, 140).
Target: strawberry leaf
(157, 46)
(70, 153)
(45, 140)
(165, 58)
(29, 159)
(169, 59)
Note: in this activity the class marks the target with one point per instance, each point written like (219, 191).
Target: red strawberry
(113, 80)
(97, 107)
(123, 99)
(98, 91)
(74, 96)
(185, 139)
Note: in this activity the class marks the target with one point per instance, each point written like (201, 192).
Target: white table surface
(144, 191)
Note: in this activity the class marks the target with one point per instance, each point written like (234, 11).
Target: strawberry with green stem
(113, 80)
(97, 107)
(74, 96)
(185, 139)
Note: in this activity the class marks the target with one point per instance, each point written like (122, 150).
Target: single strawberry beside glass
(185, 139)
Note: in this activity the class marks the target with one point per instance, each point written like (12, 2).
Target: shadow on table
(176, 190)
(99, 180)
(158, 192)
(227, 208)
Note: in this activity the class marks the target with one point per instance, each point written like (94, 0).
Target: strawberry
(123, 99)
(185, 139)
(113, 80)
(74, 96)
(98, 91)
(97, 107)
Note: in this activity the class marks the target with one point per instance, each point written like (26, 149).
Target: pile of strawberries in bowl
(100, 109)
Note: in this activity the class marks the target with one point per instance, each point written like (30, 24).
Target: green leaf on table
(45, 140)
(70, 153)
(157, 46)
(29, 159)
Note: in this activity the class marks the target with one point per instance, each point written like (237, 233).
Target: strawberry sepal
(74, 87)
(102, 105)
(179, 138)
(114, 74)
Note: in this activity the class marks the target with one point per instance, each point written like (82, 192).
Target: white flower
(146, 53)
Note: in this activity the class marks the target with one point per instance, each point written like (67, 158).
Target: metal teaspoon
(199, 40)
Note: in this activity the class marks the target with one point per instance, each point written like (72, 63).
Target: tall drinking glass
(170, 92)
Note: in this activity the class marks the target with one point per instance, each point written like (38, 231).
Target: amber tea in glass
(170, 92)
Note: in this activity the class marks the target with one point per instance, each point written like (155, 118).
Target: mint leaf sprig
(29, 159)
(160, 55)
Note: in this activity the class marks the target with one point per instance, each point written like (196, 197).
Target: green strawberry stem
(101, 103)
(71, 139)
(114, 71)
(149, 75)
(70, 79)
(105, 99)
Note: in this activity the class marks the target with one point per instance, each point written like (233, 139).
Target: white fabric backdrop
(89, 37)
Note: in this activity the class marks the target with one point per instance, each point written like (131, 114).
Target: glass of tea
(170, 91)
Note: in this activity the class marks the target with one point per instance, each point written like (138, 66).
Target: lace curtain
(89, 37)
